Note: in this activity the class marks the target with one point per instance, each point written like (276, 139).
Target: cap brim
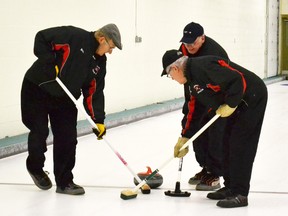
(119, 46)
(163, 73)
(187, 40)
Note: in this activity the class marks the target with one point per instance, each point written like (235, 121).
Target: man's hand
(177, 147)
(225, 110)
(100, 131)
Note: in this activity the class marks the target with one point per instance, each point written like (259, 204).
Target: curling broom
(130, 194)
(145, 189)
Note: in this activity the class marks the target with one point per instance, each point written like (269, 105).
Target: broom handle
(183, 147)
(80, 107)
(180, 169)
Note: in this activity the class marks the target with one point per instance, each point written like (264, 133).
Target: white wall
(133, 78)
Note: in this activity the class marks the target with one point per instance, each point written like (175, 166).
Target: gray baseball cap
(112, 32)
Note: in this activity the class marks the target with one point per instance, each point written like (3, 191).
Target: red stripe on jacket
(191, 108)
(92, 89)
(192, 101)
(66, 52)
(224, 64)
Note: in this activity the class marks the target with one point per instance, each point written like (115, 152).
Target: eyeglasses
(168, 71)
(110, 47)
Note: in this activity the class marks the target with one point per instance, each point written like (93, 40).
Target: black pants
(38, 108)
(208, 147)
(241, 142)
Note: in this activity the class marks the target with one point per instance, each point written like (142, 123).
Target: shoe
(208, 182)
(71, 189)
(220, 194)
(233, 202)
(41, 180)
(197, 177)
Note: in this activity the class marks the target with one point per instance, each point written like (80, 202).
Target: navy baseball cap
(191, 32)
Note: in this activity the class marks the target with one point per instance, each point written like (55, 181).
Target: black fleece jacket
(73, 50)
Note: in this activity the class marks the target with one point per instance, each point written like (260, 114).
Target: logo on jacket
(96, 70)
(198, 89)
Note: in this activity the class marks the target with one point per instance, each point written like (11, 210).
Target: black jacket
(214, 81)
(81, 70)
(193, 110)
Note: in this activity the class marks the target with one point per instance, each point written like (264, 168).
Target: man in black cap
(236, 94)
(208, 147)
(77, 57)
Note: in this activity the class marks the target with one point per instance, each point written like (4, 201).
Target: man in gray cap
(77, 57)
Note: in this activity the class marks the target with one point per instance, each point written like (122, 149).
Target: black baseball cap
(191, 32)
(169, 57)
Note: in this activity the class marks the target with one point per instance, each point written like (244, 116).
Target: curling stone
(155, 182)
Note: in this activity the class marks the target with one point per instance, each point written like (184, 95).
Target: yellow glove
(225, 110)
(100, 131)
(177, 147)
(57, 70)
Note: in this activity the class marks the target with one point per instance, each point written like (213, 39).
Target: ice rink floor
(144, 143)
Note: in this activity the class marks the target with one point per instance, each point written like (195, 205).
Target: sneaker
(208, 182)
(41, 180)
(197, 177)
(233, 202)
(71, 189)
(222, 193)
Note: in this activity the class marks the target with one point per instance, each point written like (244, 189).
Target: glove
(225, 110)
(57, 70)
(100, 131)
(177, 147)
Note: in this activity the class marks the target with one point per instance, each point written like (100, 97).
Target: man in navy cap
(208, 147)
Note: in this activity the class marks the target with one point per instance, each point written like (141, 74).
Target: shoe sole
(203, 187)
(232, 206)
(194, 182)
(74, 192)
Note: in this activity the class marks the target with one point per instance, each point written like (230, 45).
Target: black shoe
(208, 182)
(41, 180)
(222, 193)
(233, 202)
(71, 189)
(197, 177)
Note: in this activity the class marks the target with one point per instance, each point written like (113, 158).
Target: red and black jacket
(192, 109)
(81, 70)
(214, 81)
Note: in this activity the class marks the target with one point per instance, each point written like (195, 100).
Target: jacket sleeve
(49, 54)
(44, 44)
